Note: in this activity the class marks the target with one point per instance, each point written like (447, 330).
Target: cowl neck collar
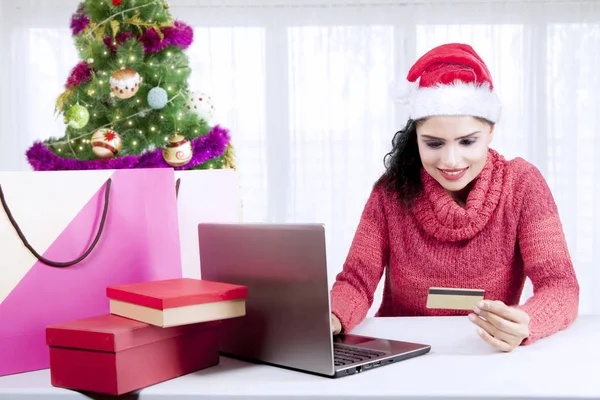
(443, 218)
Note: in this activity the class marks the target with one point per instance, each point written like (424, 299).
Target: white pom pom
(401, 91)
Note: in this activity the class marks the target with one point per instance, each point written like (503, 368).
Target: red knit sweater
(509, 229)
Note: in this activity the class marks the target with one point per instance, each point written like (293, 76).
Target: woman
(451, 212)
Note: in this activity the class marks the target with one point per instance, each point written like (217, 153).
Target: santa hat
(452, 80)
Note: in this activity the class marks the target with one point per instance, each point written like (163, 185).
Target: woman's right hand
(336, 325)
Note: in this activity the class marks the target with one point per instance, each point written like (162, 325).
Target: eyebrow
(462, 137)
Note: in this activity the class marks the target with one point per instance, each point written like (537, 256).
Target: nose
(449, 157)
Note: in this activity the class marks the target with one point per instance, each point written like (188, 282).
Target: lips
(453, 174)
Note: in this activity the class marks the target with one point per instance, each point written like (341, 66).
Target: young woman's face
(454, 150)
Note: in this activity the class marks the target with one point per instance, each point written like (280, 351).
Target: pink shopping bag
(67, 235)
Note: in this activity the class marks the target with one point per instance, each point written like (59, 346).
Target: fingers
(498, 344)
(494, 332)
(502, 310)
(501, 326)
(336, 325)
(504, 325)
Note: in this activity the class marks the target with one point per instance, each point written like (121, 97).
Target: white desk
(459, 366)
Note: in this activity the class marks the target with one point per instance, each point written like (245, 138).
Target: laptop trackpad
(376, 344)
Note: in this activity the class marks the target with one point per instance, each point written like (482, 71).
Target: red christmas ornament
(117, 2)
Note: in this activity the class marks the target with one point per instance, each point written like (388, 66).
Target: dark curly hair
(403, 165)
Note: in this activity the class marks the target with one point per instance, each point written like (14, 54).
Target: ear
(491, 137)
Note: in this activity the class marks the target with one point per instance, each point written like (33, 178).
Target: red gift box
(114, 355)
(175, 302)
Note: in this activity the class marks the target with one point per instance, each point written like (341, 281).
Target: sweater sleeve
(353, 290)
(555, 301)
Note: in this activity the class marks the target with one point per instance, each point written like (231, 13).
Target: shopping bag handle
(54, 263)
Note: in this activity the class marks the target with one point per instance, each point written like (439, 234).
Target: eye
(468, 142)
(434, 145)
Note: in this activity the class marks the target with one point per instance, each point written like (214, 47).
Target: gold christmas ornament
(125, 83)
(178, 151)
(106, 143)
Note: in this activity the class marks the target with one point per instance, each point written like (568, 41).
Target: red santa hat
(452, 80)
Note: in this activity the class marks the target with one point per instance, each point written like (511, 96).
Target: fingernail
(481, 304)
(476, 310)
(479, 331)
(472, 317)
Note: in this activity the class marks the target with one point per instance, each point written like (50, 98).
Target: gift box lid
(111, 333)
(173, 293)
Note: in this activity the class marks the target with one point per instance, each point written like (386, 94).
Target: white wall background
(303, 87)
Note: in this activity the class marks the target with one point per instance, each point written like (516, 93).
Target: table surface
(459, 366)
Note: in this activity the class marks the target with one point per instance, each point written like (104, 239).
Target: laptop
(288, 318)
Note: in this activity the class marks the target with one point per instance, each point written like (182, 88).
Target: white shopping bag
(204, 196)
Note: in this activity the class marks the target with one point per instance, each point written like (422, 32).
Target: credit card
(454, 298)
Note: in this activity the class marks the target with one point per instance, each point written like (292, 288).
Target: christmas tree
(127, 103)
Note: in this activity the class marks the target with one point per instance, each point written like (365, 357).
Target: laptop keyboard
(344, 355)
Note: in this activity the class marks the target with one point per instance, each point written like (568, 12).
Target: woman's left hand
(501, 326)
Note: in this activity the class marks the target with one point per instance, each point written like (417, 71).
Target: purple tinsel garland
(205, 148)
(180, 35)
(81, 73)
(79, 22)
